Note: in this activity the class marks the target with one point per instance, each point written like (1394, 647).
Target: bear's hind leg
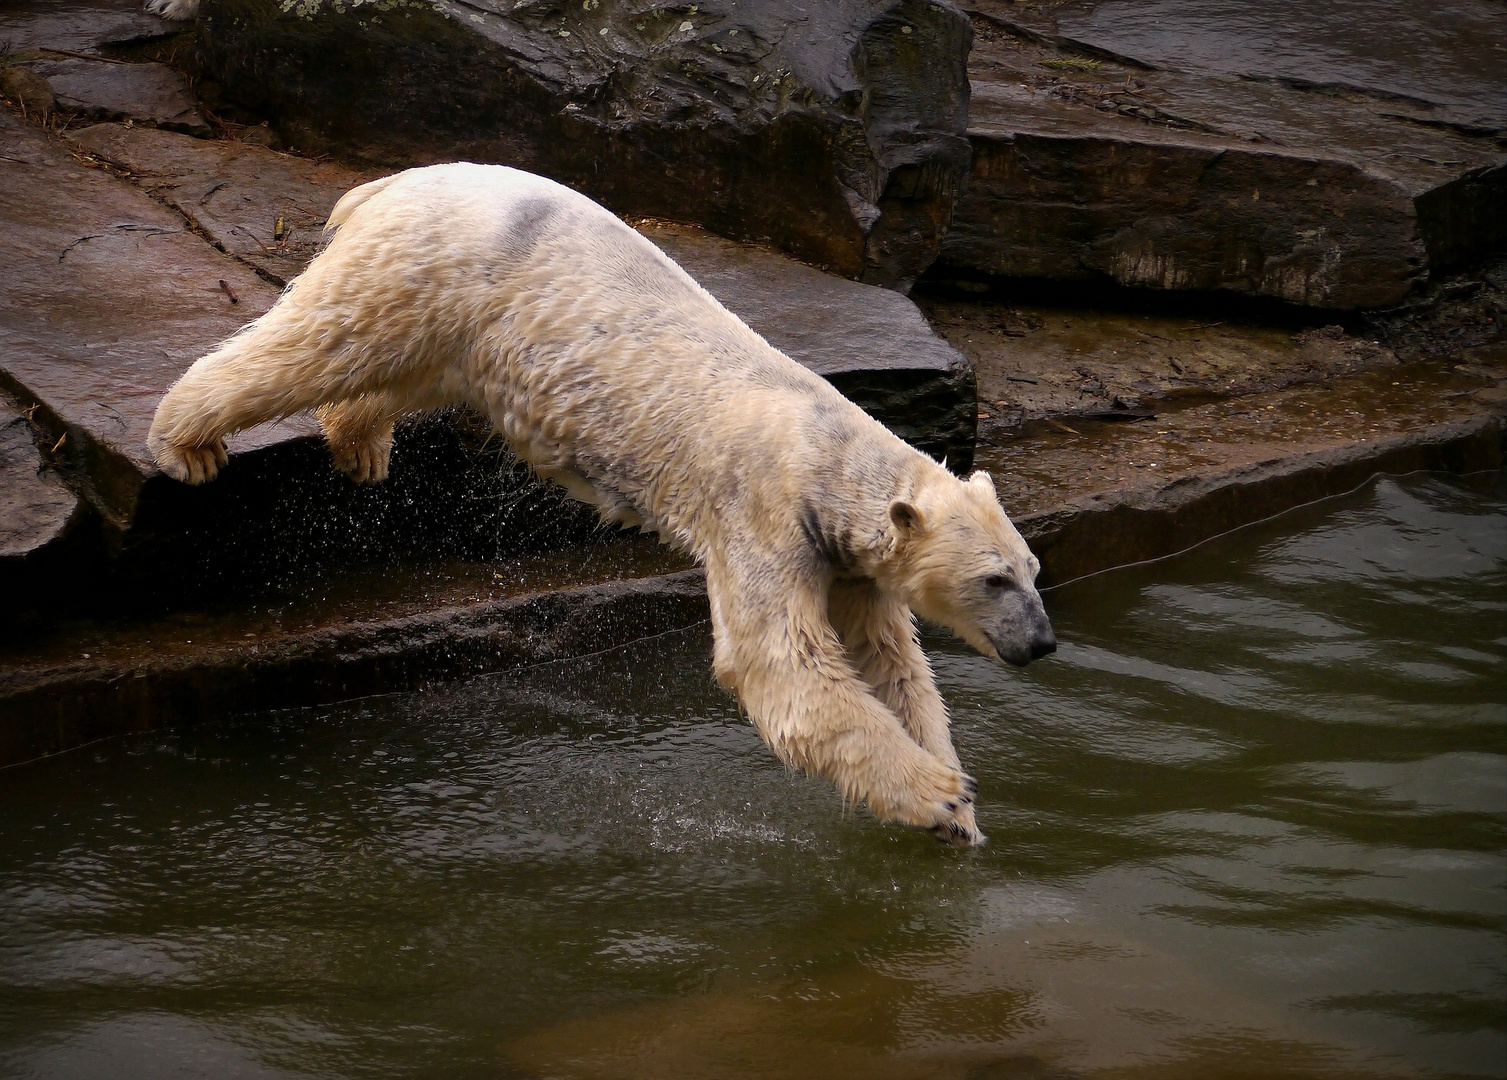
(776, 648)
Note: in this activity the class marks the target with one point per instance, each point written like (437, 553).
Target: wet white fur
(613, 373)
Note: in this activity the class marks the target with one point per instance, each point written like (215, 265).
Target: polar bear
(613, 373)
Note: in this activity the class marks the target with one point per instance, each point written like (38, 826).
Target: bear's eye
(996, 581)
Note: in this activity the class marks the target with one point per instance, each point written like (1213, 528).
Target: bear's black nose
(1043, 643)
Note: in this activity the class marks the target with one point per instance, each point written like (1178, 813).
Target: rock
(1093, 165)
(77, 25)
(236, 193)
(1071, 362)
(833, 129)
(872, 344)
(36, 507)
(107, 90)
(27, 89)
(107, 297)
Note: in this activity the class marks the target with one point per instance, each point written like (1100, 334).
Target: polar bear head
(958, 561)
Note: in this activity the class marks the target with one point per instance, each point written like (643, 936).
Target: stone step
(1103, 154)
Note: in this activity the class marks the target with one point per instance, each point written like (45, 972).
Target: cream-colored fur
(609, 370)
(173, 9)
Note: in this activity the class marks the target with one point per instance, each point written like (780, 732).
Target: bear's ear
(983, 480)
(906, 517)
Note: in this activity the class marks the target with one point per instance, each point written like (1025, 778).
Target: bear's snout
(1023, 634)
(1044, 642)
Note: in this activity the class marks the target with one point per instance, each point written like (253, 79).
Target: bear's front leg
(359, 431)
(776, 648)
(879, 634)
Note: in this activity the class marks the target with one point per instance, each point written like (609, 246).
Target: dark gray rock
(107, 297)
(833, 129)
(1092, 164)
(36, 507)
(106, 90)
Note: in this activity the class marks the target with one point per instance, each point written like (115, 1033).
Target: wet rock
(27, 89)
(107, 297)
(1091, 164)
(1069, 361)
(36, 507)
(106, 90)
(70, 684)
(264, 207)
(872, 344)
(77, 25)
(834, 130)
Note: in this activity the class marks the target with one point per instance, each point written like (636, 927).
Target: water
(1251, 821)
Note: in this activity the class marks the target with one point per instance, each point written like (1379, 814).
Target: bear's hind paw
(364, 462)
(193, 464)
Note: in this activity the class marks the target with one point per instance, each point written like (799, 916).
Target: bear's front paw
(192, 464)
(946, 809)
(960, 830)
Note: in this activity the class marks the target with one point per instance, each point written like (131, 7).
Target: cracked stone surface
(77, 25)
(108, 297)
(237, 193)
(1112, 147)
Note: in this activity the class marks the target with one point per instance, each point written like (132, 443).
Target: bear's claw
(957, 834)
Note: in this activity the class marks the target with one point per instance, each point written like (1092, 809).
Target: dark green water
(1251, 821)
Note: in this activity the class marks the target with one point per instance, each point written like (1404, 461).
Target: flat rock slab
(81, 682)
(833, 129)
(36, 507)
(107, 297)
(1092, 495)
(105, 90)
(1092, 165)
(1035, 361)
(261, 206)
(77, 25)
